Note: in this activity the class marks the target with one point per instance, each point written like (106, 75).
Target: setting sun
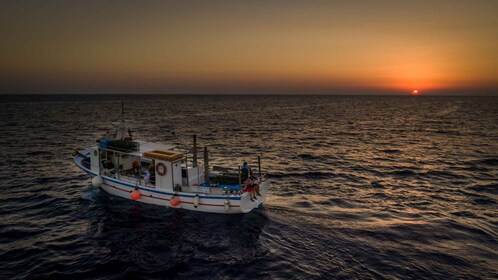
(415, 92)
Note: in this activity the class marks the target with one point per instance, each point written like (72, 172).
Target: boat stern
(248, 203)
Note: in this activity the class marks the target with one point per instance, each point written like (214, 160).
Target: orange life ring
(161, 169)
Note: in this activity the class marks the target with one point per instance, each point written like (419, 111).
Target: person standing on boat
(149, 176)
(250, 186)
(136, 167)
(246, 171)
(152, 172)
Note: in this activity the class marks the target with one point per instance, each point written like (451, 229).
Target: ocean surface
(363, 187)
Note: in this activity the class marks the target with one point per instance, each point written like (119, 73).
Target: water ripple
(363, 187)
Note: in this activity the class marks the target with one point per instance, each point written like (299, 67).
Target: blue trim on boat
(149, 189)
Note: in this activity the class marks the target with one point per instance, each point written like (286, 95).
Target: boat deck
(222, 184)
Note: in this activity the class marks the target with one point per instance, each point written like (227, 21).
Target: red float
(135, 195)
(174, 201)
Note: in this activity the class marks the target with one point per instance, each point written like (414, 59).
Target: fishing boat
(162, 174)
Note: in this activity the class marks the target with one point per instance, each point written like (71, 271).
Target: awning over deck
(145, 147)
(164, 155)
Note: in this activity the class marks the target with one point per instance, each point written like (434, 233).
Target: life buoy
(161, 169)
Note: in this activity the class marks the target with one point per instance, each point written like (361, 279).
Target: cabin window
(106, 159)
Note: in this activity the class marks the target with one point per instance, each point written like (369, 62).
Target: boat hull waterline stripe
(155, 197)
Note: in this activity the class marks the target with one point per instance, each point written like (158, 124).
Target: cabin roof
(163, 155)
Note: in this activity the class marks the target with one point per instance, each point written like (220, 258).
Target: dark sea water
(363, 187)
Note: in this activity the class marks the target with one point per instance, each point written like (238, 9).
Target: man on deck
(250, 186)
(246, 171)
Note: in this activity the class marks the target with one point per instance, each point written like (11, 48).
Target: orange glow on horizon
(245, 47)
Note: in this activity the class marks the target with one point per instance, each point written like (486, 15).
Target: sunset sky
(337, 47)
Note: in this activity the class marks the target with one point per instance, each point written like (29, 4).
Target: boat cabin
(143, 163)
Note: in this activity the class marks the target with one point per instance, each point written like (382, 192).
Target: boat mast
(206, 165)
(259, 166)
(120, 135)
(194, 163)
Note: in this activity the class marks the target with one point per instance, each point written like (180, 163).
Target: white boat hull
(223, 204)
